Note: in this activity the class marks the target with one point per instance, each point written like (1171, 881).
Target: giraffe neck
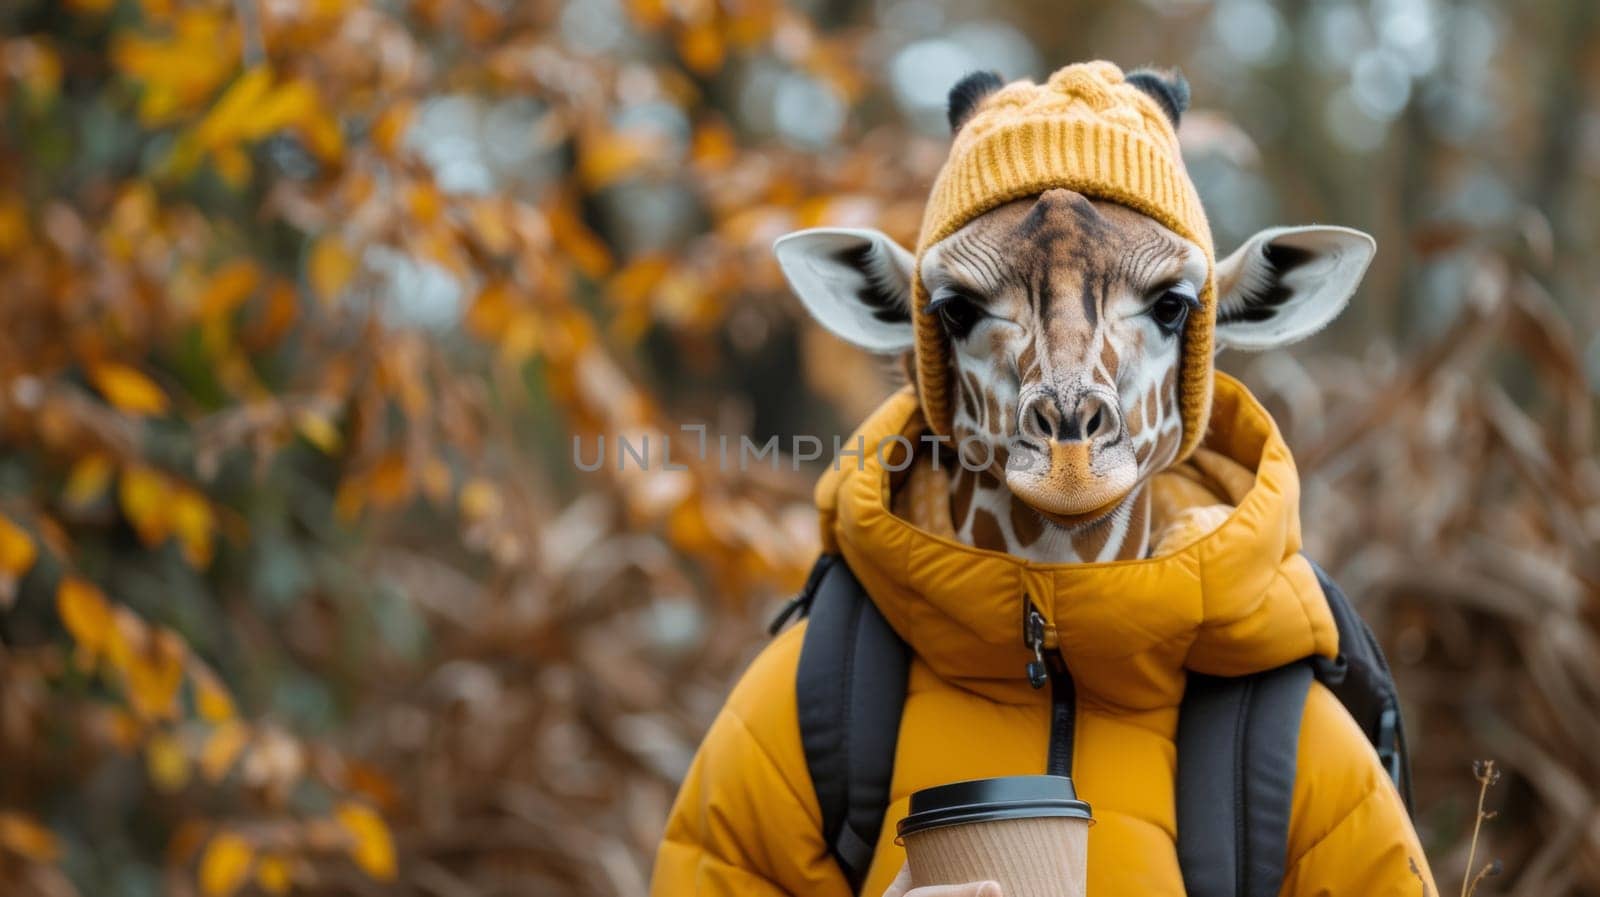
(986, 515)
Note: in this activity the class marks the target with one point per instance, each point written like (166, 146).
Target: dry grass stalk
(1487, 775)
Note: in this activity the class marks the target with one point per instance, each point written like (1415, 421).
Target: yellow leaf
(330, 267)
(237, 110)
(178, 73)
(17, 551)
(211, 697)
(221, 748)
(480, 500)
(85, 613)
(228, 288)
(151, 663)
(319, 431)
(166, 762)
(146, 502)
(87, 481)
(273, 873)
(232, 165)
(17, 554)
(195, 524)
(225, 865)
(282, 107)
(128, 389)
(27, 838)
(370, 844)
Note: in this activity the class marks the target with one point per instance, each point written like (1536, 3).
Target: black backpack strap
(1362, 681)
(851, 687)
(1237, 743)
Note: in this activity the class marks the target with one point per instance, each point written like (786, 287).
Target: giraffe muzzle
(1072, 460)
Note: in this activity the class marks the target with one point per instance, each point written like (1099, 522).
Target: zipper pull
(1033, 637)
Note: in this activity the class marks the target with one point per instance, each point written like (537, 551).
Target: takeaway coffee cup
(1029, 833)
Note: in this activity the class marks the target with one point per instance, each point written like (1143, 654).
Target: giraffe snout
(1088, 415)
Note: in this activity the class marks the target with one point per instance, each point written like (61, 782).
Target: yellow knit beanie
(1089, 130)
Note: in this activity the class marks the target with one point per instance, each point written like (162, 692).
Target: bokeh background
(302, 303)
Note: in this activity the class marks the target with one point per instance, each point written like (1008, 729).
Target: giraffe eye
(1171, 309)
(958, 312)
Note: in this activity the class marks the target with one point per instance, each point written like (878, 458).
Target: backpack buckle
(1388, 743)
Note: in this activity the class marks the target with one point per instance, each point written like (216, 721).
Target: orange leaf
(225, 865)
(576, 240)
(221, 749)
(85, 613)
(389, 484)
(228, 288)
(273, 873)
(151, 663)
(491, 311)
(702, 47)
(13, 224)
(211, 697)
(195, 524)
(281, 309)
(17, 551)
(146, 502)
(87, 481)
(423, 202)
(27, 838)
(330, 267)
(391, 126)
(128, 389)
(610, 156)
(166, 762)
(371, 846)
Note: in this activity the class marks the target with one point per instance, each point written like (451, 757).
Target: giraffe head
(1064, 316)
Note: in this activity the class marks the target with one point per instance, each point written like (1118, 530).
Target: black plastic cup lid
(988, 800)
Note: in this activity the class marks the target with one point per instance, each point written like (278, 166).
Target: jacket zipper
(1049, 666)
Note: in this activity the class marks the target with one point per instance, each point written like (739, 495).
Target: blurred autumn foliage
(305, 301)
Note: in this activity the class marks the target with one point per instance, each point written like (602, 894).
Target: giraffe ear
(855, 282)
(1286, 283)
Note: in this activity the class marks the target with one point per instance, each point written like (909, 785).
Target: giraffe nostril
(1042, 422)
(1093, 429)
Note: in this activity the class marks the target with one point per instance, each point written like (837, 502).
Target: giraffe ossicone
(1063, 318)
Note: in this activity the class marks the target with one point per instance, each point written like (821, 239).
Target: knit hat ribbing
(1086, 129)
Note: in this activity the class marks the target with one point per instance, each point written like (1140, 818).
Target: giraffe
(1064, 315)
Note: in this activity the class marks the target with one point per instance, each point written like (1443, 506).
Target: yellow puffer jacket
(1236, 600)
